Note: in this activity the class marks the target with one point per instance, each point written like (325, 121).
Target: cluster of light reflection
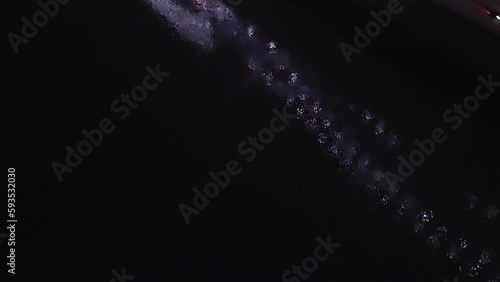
(335, 133)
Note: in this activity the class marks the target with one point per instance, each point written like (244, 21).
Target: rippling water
(349, 134)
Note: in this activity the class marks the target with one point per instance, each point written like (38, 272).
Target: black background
(119, 207)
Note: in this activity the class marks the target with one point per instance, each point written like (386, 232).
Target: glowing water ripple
(336, 136)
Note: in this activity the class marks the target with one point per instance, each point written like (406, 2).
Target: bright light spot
(498, 17)
(272, 47)
(251, 31)
(367, 116)
(380, 128)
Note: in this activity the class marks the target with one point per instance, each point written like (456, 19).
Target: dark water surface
(119, 208)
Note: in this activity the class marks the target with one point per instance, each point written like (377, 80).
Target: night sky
(217, 78)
